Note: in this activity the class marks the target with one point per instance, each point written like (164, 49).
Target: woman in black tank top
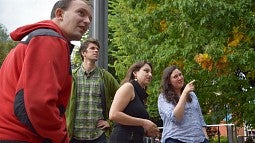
(131, 120)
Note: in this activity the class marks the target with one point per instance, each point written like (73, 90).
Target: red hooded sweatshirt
(35, 85)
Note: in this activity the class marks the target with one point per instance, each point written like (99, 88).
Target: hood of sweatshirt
(21, 32)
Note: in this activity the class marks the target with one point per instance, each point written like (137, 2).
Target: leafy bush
(216, 140)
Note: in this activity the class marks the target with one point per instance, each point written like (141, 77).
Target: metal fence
(245, 139)
(231, 134)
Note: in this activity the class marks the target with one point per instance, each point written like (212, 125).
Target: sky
(15, 13)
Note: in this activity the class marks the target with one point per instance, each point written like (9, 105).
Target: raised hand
(189, 87)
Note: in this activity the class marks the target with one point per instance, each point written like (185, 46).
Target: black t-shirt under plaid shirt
(88, 110)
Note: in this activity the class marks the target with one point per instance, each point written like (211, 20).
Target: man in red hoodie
(35, 78)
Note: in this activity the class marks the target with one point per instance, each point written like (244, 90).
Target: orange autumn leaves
(207, 62)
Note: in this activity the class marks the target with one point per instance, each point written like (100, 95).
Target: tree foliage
(211, 41)
(6, 43)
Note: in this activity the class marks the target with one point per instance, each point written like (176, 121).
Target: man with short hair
(35, 77)
(92, 93)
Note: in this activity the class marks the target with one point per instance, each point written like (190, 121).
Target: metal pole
(219, 134)
(99, 29)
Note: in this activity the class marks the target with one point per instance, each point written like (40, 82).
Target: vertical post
(231, 130)
(99, 29)
(218, 134)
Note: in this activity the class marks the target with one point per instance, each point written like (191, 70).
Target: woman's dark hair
(135, 67)
(167, 88)
(85, 44)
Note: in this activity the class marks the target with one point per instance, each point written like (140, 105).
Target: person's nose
(87, 20)
(96, 50)
(179, 77)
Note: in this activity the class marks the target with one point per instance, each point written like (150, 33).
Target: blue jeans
(101, 139)
(171, 140)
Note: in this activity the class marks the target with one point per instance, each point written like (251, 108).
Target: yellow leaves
(208, 63)
(163, 25)
(237, 37)
(222, 63)
(178, 63)
(234, 43)
(205, 61)
(228, 50)
(152, 7)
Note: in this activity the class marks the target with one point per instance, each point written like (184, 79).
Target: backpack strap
(41, 32)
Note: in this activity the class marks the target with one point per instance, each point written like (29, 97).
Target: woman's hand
(188, 88)
(151, 129)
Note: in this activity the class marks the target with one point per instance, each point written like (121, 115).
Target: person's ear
(59, 13)
(134, 73)
(83, 53)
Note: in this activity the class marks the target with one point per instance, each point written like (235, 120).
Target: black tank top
(136, 108)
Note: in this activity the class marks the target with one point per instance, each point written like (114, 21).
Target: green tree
(6, 43)
(210, 40)
(3, 33)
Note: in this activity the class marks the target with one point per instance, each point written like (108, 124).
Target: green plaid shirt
(88, 102)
